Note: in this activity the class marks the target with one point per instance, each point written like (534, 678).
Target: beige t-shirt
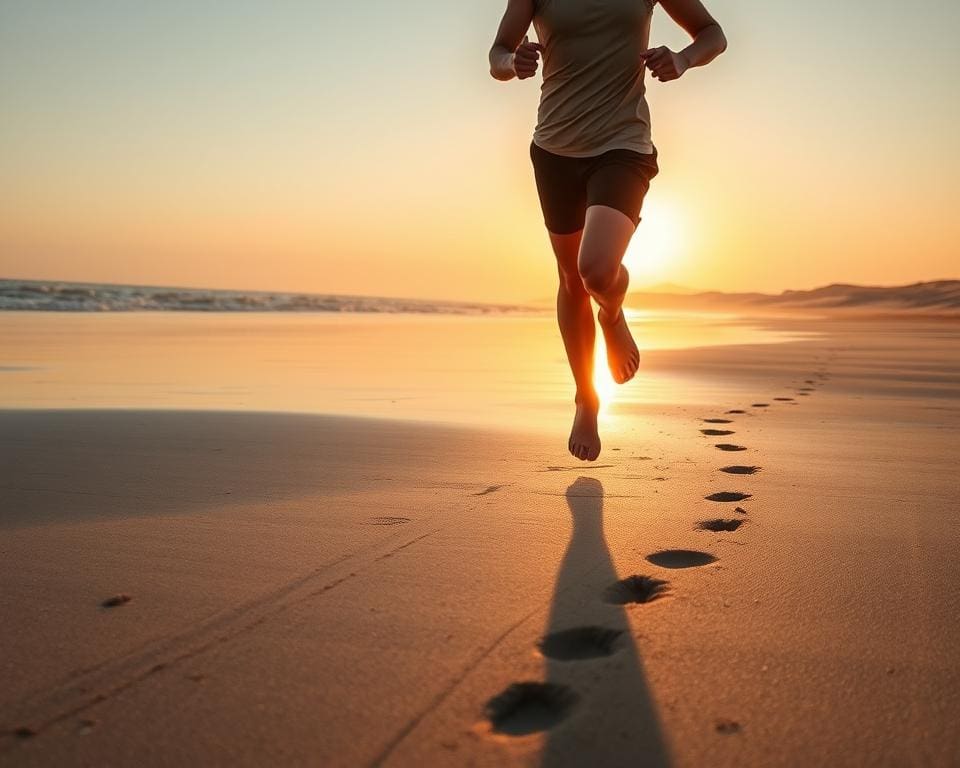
(592, 97)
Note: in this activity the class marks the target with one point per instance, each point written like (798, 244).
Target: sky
(363, 148)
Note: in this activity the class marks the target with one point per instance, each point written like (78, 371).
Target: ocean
(55, 296)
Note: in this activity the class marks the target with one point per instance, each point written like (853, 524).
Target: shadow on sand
(607, 714)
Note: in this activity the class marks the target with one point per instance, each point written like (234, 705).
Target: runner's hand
(525, 58)
(663, 63)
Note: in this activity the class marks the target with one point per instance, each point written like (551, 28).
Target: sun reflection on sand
(490, 370)
(602, 380)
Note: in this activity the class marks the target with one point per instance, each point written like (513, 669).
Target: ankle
(606, 317)
(587, 398)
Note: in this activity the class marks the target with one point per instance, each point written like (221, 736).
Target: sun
(656, 247)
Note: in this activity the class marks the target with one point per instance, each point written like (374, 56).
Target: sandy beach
(301, 347)
(237, 563)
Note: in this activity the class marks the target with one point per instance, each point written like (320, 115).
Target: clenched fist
(663, 63)
(525, 58)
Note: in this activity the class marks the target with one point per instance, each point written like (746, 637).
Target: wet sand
(338, 590)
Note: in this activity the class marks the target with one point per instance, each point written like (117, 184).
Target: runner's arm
(708, 38)
(511, 54)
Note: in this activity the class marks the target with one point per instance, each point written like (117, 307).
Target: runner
(593, 158)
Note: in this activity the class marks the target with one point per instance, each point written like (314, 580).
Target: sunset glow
(145, 144)
(658, 244)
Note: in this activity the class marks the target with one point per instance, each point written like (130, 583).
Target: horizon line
(648, 288)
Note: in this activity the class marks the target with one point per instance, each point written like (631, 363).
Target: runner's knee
(598, 276)
(570, 280)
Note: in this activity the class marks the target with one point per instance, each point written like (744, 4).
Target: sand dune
(935, 297)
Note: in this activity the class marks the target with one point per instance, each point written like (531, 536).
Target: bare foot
(623, 357)
(584, 440)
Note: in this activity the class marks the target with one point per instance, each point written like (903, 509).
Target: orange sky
(290, 146)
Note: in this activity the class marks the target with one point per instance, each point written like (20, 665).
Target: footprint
(718, 525)
(579, 643)
(388, 520)
(728, 496)
(85, 726)
(740, 469)
(736, 410)
(635, 589)
(115, 601)
(730, 447)
(717, 432)
(717, 421)
(489, 489)
(783, 399)
(529, 707)
(680, 558)
(727, 726)
(760, 405)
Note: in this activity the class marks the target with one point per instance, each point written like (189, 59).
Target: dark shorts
(618, 178)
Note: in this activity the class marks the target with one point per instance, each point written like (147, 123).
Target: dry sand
(339, 591)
